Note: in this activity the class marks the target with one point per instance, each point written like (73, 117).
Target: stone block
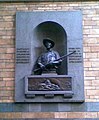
(93, 106)
(6, 107)
(20, 107)
(47, 107)
(64, 107)
(35, 107)
(76, 107)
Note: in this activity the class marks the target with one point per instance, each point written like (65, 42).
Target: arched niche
(56, 32)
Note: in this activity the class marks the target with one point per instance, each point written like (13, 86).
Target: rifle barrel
(64, 56)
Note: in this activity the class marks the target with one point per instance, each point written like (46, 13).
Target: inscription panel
(22, 55)
(76, 57)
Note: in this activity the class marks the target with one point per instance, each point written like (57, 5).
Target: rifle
(64, 56)
(59, 59)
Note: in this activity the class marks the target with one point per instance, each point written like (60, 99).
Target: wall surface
(89, 109)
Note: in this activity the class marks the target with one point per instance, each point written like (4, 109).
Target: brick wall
(90, 41)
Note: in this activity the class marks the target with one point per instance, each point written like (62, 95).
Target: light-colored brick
(75, 115)
(61, 115)
(93, 92)
(91, 115)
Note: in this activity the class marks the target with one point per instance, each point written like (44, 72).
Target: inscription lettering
(22, 55)
(76, 57)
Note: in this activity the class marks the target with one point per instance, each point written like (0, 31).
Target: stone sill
(51, 107)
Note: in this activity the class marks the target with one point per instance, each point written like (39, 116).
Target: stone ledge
(51, 107)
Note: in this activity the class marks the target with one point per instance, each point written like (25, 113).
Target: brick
(28, 115)
(94, 31)
(2, 83)
(2, 50)
(91, 55)
(87, 83)
(7, 12)
(97, 78)
(2, 115)
(90, 23)
(8, 18)
(10, 50)
(90, 100)
(87, 49)
(6, 93)
(10, 83)
(3, 32)
(9, 56)
(87, 64)
(6, 41)
(8, 79)
(2, 65)
(16, 115)
(91, 115)
(93, 36)
(6, 24)
(22, 8)
(75, 115)
(60, 114)
(44, 115)
(2, 42)
(95, 82)
(8, 70)
(95, 49)
(7, 74)
(95, 64)
(9, 65)
(90, 88)
(10, 115)
(92, 97)
(93, 92)
(38, 115)
(10, 88)
(91, 73)
(94, 69)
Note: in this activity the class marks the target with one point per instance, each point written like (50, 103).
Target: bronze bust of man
(46, 62)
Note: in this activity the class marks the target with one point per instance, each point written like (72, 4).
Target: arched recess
(56, 32)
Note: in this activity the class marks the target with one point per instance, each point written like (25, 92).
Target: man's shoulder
(55, 52)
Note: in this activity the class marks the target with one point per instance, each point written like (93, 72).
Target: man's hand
(41, 65)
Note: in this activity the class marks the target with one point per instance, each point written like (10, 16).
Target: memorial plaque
(42, 37)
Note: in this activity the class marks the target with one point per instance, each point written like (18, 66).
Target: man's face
(48, 45)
